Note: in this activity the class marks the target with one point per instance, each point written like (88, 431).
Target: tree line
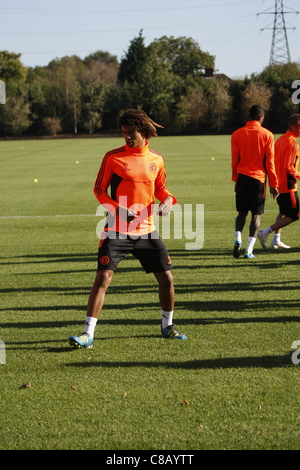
(172, 79)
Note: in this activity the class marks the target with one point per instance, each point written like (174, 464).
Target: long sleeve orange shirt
(286, 162)
(252, 152)
(135, 176)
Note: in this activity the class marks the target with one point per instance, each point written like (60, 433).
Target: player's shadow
(180, 321)
(50, 258)
(202, 258)
(266, 362)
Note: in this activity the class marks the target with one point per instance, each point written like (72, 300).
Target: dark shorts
(289, 205)
(150, 250)
(250, 195)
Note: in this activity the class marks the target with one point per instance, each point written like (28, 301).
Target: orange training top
(136, 176)
(252, 150)
(286, 162)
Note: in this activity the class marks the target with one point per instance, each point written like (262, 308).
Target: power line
(280, 51)
(110, 10)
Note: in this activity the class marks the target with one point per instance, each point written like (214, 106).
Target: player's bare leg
(281, 221)
(166, 290)
(240, 221)
(95, 303)
(239, 227)
(253, 231)
(98, 291)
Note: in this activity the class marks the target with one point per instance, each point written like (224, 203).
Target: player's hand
(165, 207)
(127, 214)
(274, 193)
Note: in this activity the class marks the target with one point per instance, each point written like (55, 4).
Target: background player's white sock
(238, 237)
(167, 318)
(90, 325)
(267, 231)
(251, 243)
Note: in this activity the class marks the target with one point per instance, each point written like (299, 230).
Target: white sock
(267, 231)
(251, 243)
(90, 325)
(167, 318)
(276, 238)
(238, 237)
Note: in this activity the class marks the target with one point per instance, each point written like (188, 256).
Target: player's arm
(291, 162)
(102, 184)
(270, 167)
(270, 164)
(235, 158)
(101, 192)
(163, 194)
(165, 206)
(126, 214)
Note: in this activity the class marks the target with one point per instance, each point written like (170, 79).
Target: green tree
(67, 93)
(132, 64)
(256, 92)
(279, 79)
(40, 95)
(11, 68)
(220, 103)
(15, 114)
(72, 92)
(192, 108)
(184, 55)
(157, 78)
(96, 80)
(102, 57)
(93, 100)
(154, 91)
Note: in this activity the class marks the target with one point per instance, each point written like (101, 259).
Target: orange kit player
(286, 163)
(136, 176)
(252, 150)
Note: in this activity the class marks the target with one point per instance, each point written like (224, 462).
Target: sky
(238, 33)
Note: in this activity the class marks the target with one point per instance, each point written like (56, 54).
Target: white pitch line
(45, 216)
(95, 215)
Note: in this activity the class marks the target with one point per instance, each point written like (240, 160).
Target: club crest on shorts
(104, 260)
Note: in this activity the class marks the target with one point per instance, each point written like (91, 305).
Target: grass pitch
(232, 385)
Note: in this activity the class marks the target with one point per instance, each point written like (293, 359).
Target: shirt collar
(253, 123)
(290, 133)
(138, 150)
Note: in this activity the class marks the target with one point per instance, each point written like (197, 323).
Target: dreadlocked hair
(139, 121)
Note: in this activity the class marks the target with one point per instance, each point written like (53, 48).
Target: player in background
(286, 164)
(136, 176)
(252, 151)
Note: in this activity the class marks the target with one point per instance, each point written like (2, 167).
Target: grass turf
(232, 385)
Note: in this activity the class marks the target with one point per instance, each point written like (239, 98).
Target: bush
(52, 126)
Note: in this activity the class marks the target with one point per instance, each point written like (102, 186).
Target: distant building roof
(210, 74)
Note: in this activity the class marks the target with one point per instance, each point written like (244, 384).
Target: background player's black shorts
(289, 204)
(150, 250)
(250, 195)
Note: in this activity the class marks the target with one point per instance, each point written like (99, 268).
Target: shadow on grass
(51, 258)
(150, 322)
(266, 362)
(191, 288)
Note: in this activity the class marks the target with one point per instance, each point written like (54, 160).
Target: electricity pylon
(280, 51)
